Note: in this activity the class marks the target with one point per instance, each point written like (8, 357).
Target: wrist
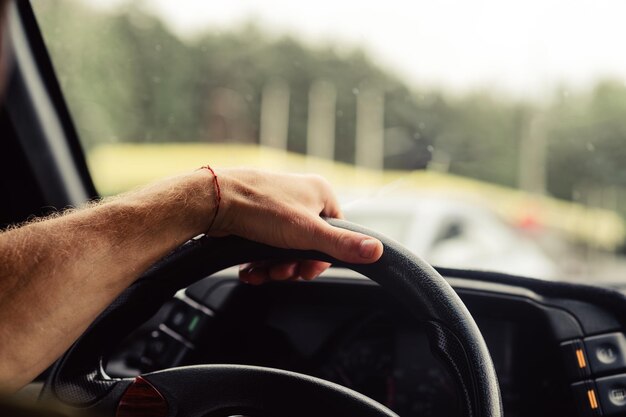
(215, 202)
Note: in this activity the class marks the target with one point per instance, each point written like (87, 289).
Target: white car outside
(455, 234)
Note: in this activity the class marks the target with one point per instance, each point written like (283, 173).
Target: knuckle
(320, 182)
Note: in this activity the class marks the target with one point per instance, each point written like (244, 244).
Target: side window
(374, 100)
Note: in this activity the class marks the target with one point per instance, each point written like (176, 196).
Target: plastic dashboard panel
(528, 325)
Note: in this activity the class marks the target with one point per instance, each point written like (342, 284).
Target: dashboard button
(186, 320)
(586, 397)
(612, 391)
(575, 358)
(164, 350)
(606, 352)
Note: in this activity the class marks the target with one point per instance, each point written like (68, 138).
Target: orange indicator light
(581, 358)
(592, 399)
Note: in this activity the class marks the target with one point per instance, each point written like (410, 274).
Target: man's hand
(284, 210)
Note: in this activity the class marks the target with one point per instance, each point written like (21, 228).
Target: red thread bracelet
(218, 195)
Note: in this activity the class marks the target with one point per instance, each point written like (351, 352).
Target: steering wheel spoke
(225, 390)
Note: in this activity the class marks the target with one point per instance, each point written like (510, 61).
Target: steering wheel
(78, 378)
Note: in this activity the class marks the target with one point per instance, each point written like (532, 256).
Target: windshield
(480, 134)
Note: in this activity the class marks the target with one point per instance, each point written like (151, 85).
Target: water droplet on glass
(430, 148)
(355, 91)
(590, 147)
(422, 125)
(417, 135)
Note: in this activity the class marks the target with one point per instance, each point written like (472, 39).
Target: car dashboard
(554, 355)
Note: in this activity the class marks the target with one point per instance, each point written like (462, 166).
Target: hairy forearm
(57, 275)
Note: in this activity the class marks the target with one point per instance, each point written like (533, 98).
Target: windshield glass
(481, 134)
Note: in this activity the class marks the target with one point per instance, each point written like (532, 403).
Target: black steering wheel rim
(78, 379)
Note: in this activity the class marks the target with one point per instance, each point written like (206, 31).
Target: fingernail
(367, 248)
(291, 271)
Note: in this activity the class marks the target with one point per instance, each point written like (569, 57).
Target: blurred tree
(587, 134)
(145, 84)
(479, 135)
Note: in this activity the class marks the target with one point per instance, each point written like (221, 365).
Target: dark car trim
(40, 115)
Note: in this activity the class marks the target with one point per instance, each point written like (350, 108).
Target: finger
(254, 275)
(345, 245)
(331, 204)
(283, 271)
(312, 269)
(259, 272)
(332, 208)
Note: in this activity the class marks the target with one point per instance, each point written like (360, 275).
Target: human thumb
(346, 245)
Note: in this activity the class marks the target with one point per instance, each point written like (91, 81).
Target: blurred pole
(532, 157)
(321, 121)
(610, 201)
(275, 115)
(370, 119)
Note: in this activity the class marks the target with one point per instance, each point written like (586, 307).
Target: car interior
(397, 338)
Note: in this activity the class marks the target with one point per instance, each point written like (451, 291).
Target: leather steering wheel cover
(78, 378)
(253, 390)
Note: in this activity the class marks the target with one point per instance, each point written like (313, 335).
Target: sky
(523, 48)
